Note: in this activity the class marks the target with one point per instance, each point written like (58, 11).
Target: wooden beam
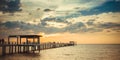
(20, 40)
(8, 40)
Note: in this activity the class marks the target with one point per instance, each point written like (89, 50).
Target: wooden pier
(31, 44)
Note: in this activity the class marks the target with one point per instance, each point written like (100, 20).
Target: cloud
(56, 19)
(55, 24)
(9, 5)
(90, 22)
(109, 6)
(11, 25)
(109, 25)
(33, 10)
(92, 8)
(13, 28)
(62, 6)
(77, 27)
(47, 10)
(31, 18)
(96, 19)
(17, 27)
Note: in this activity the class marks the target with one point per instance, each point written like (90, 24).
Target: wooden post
(20, 40)
(32, 48)
(0, 41)
(9, 48)
(15, 47)
(44, 46)
(27, 48)
(38, 40)
(33, 40)
(3, 50)
(20, 45)
(26, 40)
(50, 45)
(47, 45)
(54, 45)
(21, 49)
(8, 40)
(24, 47)
(39, 44)
(12, 48)
(17, 40)
(18, 49)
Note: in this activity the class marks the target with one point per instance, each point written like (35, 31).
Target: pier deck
(26, 47)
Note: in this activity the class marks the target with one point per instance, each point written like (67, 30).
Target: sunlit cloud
(55, 24)
(76, 19)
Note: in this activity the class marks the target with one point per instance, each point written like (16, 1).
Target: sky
(83, 21)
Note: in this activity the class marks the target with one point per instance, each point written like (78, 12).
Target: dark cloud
(56, 19)
(17, 27)
(91, 22)
(39, 28)
(77, 8)
(11, 24)
(109, 6)
(26, 26)
(94, 29)
(17, 24)
(109, 25)
(47, 10)
(9, 6)
(77, 27)
(102, 26)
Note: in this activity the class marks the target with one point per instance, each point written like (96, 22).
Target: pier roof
(25, 36)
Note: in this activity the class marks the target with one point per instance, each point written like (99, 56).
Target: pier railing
(12, 48)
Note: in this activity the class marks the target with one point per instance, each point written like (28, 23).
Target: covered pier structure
(28, 44)
(25, 38)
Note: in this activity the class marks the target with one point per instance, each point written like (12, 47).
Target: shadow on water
(32, 54)
(23, 56)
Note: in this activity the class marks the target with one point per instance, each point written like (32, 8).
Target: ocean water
(78, 52)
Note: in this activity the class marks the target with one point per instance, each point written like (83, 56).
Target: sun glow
(41, 34)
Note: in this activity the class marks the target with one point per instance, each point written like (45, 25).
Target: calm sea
(78, 52)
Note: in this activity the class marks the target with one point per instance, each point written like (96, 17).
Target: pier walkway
(31, 44)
